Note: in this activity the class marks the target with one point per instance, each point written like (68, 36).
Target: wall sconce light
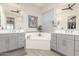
(58, 22)
(55, 24)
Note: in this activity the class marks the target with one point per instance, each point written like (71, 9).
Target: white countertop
(14, 31)
(68, 33)
(58, 32)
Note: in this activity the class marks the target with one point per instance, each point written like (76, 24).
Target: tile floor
(30, 52)
(34, 52)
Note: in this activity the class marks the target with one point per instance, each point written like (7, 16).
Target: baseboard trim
(15, 49)
(11, 50)
(58, 52)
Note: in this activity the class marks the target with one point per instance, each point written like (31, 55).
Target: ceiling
(42, 5)
(14, 6)
(39, 4)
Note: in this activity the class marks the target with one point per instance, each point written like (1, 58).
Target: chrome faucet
(28, 37)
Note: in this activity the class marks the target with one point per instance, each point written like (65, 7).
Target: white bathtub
(34, 41)
(44, 36)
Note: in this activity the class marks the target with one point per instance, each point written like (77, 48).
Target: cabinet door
(21, 42)
(65, 45)
(13, 42)
(60, 44)
(53, 42)
(21, 38)
(68, 47)
(3, 44)
(77, 47)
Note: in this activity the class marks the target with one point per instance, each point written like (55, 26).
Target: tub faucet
(28, 37)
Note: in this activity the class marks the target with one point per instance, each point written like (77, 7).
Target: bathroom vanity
(11, 41)
(67, 44)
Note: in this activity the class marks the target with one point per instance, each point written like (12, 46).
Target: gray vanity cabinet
(68, 47)
(13, 42)
(77, 45)
(21, 41)
(53, 41)
(3, 43)
(65, 44)
(16, 41)
(59, 43)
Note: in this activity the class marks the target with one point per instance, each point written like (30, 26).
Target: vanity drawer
(68, 36)
(53, 38)
(53, 35)
(21, 34)
(76, 37)
(59, 35)
(65, 36)
(12, 35)
(53, 41)
(4, 35)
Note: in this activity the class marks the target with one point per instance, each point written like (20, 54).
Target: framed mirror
(0, 21)
(72, 22)
(10, 23)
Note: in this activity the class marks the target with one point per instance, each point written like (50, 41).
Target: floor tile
(30, 52)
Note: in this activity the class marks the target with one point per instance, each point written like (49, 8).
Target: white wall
(59, 15)
(2, 20)
(22, 21)
(30, 10)
(62, 16)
